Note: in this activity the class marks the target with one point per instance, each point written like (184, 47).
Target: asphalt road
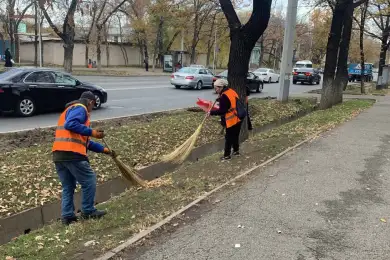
(136, 95)
(323, 201)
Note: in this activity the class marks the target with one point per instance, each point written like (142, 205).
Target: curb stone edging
(148, 231)
(14, 225)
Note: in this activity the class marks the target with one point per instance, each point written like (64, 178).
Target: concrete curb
(153, 228)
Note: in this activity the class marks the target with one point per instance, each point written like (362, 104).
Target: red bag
(206, 105)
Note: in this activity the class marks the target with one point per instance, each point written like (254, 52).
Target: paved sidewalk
(326, 199)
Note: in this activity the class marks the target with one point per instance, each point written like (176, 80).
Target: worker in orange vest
(72, 140)
(229, 118)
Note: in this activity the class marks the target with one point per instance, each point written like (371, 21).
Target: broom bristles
(181, 153)
(129, 174)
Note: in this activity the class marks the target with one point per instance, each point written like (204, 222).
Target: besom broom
(128, 173)
(181, 153)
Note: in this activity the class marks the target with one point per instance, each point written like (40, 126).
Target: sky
(304, 7)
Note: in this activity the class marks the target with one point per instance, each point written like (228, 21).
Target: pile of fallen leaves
(28, 177)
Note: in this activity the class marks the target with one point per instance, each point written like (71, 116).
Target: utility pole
(40, 37)
(287, 56)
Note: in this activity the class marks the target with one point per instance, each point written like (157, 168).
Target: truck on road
(354, 72)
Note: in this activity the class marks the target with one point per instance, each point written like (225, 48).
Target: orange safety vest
(231, 117)
(68, 141)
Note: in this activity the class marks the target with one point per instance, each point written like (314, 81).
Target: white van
(303, 64)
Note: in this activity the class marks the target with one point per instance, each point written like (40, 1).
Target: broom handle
(209, 111)
(106, 144)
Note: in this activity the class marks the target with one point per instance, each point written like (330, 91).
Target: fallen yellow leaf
(383, 220)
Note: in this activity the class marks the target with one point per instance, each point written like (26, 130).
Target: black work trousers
(232, 139)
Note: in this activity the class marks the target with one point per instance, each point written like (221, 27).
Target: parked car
(189, 77)
(306, 75)
(253, 82)
(267, 75)
(197, 66)
(28, 90)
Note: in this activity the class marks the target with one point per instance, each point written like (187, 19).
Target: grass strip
(137, 209)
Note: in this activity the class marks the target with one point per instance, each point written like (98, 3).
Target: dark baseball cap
(88, 95)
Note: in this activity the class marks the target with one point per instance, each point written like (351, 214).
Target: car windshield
(223, 74)
(261, 70)
(188, 70)
(9, 74)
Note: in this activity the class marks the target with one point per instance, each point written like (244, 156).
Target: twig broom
(181, 153)
(128, 173)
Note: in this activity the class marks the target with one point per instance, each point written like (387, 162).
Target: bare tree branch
(230, 14)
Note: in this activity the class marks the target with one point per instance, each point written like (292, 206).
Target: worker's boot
(68, 221)
(94, 215)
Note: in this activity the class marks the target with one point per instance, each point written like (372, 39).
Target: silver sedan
(195, 78)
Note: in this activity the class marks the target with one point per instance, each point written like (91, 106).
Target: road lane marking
(133, 88)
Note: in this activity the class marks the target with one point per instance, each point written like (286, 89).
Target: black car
(306, 75)
(28, 90)
(252, 81)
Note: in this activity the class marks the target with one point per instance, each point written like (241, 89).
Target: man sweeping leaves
(72, 140)
(230, 117)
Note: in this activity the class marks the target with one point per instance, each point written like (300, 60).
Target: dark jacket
(8, 58)
(224, 106)
(75, 119)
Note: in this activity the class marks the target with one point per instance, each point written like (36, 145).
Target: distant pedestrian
(8, 58)
(146, 61)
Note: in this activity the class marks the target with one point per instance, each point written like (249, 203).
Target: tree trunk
(210, 42)
(240, 53)
(194, 38)
(382, 58)
(98, 48)
(108, 53)
(261, 58)
(341, 81)
(36, 34)
(361, 45)
(42, 43)
(68, 56)
(331, 55)
(86, 53)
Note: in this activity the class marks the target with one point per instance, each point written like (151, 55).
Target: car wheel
(259, 88)
(26, 107)
(176, 86)
(277, 80)
(98, 103)
(269, 80)
(199, 85)
(294, 82)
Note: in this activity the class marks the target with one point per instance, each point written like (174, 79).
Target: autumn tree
(106, 10)
(337, 52)
(11, 19)
(136, 12)
(271, 42)
(320, 20)
(67, 34)
(378, 12)
(243, 38)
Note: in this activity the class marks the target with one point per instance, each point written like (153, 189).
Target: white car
(267, 75)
